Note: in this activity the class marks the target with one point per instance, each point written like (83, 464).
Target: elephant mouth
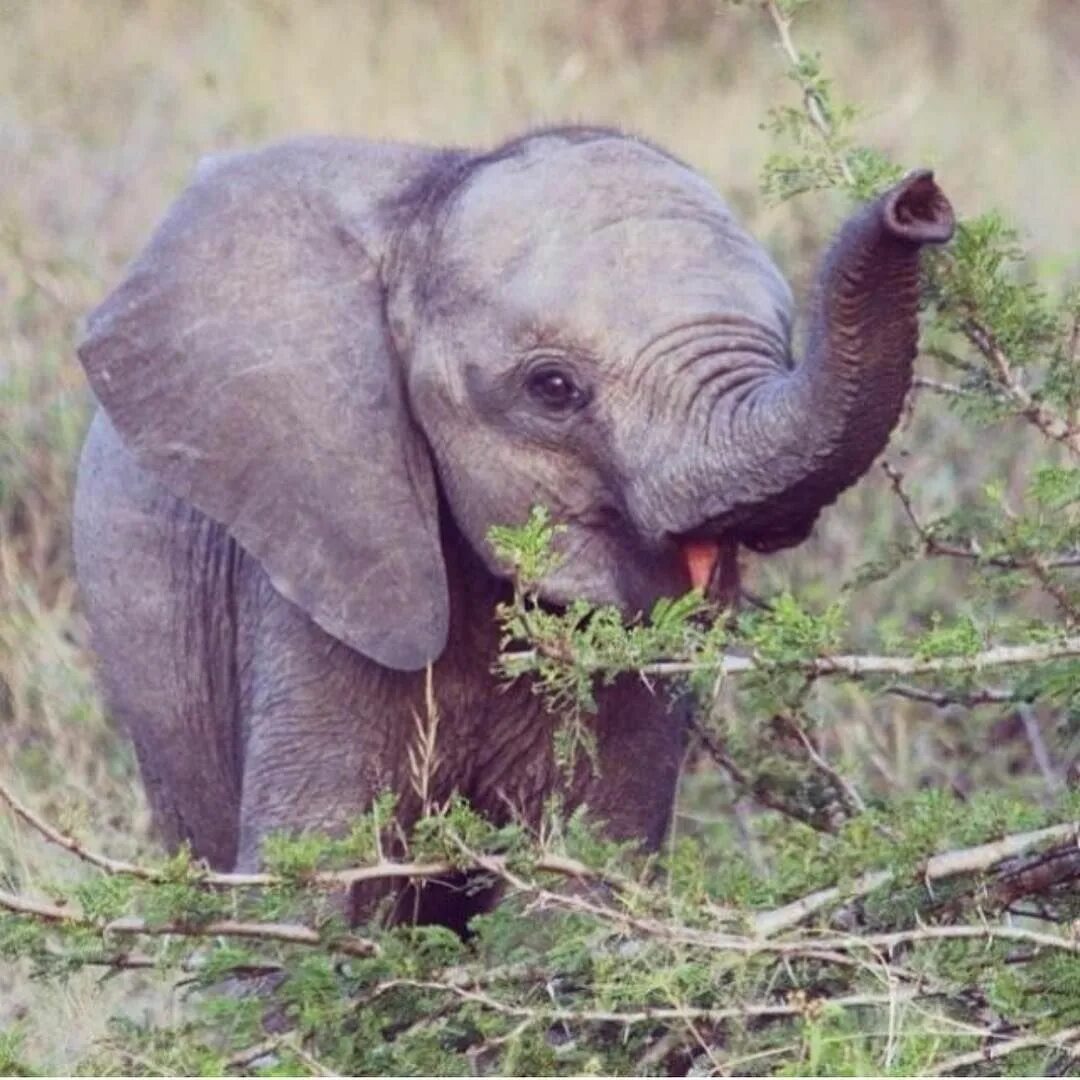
(712, 565)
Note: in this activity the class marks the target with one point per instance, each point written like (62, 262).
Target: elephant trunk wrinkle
(689, 342)
(792, 441)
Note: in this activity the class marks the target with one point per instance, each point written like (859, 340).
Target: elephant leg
(326, 727)
(159, 586)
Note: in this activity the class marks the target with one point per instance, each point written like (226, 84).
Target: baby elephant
(338, 363)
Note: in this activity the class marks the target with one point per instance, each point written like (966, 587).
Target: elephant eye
(555, 389)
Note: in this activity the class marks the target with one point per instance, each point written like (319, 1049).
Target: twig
(658, 1014)
(938, 386)
(931, 545)
(386, 869)
(896, 938)
(760, 792)
(1051, 425)
(1060, 1040)
(317, 1067)
(249, 1055)
(139, 961)
(945, 865)
(69, 843)
(811, 103)
(854, 801)
(855, 666)
(1040, 568)
(131, 926)
(944, 698)
(1039, 752)
(896, 479)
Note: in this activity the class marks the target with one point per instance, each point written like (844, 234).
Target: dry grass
(105, 107)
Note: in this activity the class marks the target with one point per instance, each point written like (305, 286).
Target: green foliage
(528, 549)
(978, 277)
(823, 153)
(546, 992)
(807, 778)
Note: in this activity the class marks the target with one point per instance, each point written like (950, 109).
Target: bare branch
(853, 800)
(247, 1057)
(1038, 876)
(385, 869)
(896, 938)
(858, 666)
(1065, 1039)
(128, 960)
(242, 1059)
(69, 843)
(762, 793)
(923, 382)
(131, 926)
(1033, 732)
(939, 867)
(943, 698)
(931, 545)
(1048, 422)
(796, 1005)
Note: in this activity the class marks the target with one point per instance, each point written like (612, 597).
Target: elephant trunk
(822, 424)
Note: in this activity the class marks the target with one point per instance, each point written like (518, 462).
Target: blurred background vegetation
(104, 109)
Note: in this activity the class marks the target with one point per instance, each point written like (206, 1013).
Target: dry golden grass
(105, 107)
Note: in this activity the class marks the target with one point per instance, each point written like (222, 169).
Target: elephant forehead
(644, 273)
(565, 190)
(611, 229)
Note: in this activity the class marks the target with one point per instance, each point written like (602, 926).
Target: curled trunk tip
(917, 210)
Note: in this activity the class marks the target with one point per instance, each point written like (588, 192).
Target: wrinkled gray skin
(332, 370)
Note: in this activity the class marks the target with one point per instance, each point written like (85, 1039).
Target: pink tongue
(700, 557)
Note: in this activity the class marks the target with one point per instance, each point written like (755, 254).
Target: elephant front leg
(325, 733)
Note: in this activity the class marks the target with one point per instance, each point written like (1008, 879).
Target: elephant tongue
(700, 557)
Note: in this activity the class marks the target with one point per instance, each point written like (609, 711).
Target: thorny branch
(795, 1006)
(775, 932)
(384, 869)
(949, 864)
(811, 101)
(131, 926)
(763, 925)
(931, 545)
(1038, 566)
(853, 801)
(762, 792)
(853, 666)
(943, 698)
(938, 386)
(1007, 385)
(1067, 1040)
(1048, 422)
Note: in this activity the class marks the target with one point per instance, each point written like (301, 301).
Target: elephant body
(338, 364)
(248, 718)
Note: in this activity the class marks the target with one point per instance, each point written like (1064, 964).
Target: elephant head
(330, 346)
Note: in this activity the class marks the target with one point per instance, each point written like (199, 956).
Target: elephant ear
(246, 362)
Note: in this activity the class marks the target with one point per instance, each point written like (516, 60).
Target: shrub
(847, 904)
